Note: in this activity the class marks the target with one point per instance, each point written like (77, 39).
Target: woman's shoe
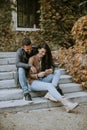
(69, 106)
(50, 97)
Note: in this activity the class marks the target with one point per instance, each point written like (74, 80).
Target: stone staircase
(11, 96)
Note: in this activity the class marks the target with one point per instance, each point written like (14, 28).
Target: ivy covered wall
(57, 18)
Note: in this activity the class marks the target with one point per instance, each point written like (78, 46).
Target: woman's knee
(58, 72)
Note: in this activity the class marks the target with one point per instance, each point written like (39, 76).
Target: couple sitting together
(36, 73)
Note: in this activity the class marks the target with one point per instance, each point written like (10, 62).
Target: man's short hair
(26, 42)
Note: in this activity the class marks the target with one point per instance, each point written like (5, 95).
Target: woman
(45, 78)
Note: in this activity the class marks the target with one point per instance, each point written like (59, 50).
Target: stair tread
(65, 76)
(70, 84)
(6, 91)
(37, 100)
(21, 102)
(76, 94)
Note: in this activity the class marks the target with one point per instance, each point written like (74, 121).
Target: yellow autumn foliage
(74, 59)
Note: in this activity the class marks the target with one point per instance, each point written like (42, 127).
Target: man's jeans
(22, 80)
(48, 83)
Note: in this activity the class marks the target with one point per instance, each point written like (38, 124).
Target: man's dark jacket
(22, 58)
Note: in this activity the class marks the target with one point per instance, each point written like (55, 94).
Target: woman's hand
(48, 71)
(41, 74)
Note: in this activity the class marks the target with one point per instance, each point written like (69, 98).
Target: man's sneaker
(27, 97)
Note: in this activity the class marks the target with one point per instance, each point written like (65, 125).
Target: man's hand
(33, 69)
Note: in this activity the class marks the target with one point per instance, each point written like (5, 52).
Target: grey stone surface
(70, 87)
(12, 99)
(7, 84)
(4, 68)
(17, 105)
(9, 94)
(6, 61)
(6, 75)
(65, 79)
(7, 54)
(77, 96)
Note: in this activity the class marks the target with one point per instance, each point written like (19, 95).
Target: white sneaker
(50, 97)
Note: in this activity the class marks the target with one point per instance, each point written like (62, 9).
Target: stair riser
(79, 99)
(13, 96)
(6, 75)
(7, 61)
(68, 80)
(7, 68)
(7, 84)
(10, 96)
(12, 83)
(29, 107)
(12, 75)
(7, 54)
(71, 89)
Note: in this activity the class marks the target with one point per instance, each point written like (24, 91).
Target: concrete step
(6, 68)
(7, 75)
(9, 94)
(66, 88)
(80, 97)
(22, 105)
(13, 74)
(70, 87)
(65, 79)
(11, 83)
(39, 103)
(7, 84)
(7, 61)
(7, 54)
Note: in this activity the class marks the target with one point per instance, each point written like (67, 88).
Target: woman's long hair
(47, 61)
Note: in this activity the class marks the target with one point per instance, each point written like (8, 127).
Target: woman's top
(36, 62)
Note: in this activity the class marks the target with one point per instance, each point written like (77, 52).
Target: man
(22, 57)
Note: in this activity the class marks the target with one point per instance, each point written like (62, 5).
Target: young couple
(38, 67)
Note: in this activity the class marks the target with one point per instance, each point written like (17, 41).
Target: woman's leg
(47, 79)
(52, 78)
(56, 77)
(42, 86)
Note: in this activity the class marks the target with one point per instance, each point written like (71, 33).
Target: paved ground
(47, 119)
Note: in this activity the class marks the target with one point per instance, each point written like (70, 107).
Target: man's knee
(21, 71)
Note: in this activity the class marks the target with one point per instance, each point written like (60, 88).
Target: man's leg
(23, 83)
